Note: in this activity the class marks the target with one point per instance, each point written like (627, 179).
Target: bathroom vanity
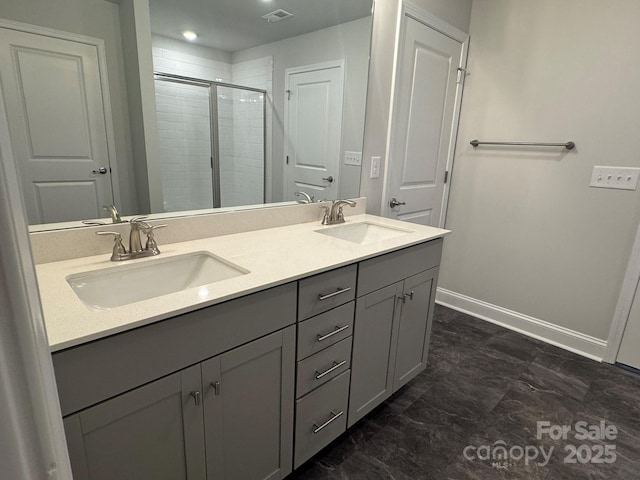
(249, 377)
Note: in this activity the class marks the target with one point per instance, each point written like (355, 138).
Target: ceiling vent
(277, 15)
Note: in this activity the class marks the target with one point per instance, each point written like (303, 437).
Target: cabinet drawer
(381, 271)
(324, 330)
(325, 291)
(323, 366)
(321, 417)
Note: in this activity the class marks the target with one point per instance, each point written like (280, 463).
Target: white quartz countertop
(272, 256)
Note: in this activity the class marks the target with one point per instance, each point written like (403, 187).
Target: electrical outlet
(375, 167)
(621, 178)
(353, 158)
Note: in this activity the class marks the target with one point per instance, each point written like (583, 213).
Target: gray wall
(349, 41)
(383, 46)
(528, 232)
(99, 19)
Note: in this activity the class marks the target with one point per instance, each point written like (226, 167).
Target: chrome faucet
(307, 198)
(334, 214)
(136, 250)
(113, 211)
(137, 225)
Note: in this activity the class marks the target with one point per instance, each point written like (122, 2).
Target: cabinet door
(415, 326)
(374, 350)
(248, 408)
(155, 431)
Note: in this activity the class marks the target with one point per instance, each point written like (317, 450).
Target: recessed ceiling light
(189, 35)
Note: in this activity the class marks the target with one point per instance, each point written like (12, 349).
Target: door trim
(98, 43)
(420, 15)
(339, 63)
(25, 342)
(625, 301)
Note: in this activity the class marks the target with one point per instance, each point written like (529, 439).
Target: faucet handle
(151, 241)
(326, 216)
(118, 247)
(148, 229)
(115, 234)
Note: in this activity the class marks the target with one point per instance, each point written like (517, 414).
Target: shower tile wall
(249, 132)
(241, 160)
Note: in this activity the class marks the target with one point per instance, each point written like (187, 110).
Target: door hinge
(461, 74)
(446, 176)
(287, 160)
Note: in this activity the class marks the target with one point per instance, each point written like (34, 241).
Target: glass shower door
(185, 138)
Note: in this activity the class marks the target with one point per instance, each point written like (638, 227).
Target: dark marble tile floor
(483, 385)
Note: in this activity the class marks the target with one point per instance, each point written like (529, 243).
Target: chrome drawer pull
(338, 329)
(328, 422)
(196, 397)
(216, 388)
(336, 365)
(337, 292)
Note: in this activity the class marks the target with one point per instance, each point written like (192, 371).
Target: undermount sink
(363, 232)
(124, 284)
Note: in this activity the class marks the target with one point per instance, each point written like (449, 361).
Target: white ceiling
(232, 25)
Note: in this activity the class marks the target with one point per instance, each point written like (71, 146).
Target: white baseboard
(562, 337)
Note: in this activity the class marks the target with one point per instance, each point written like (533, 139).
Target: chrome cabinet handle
(336, 365)
(196, 397)
(404, 297)
(216, 388)
(334, 417)
(338, 329)
(328, 179)
(395, 203)
(330, 295)
(101, 171)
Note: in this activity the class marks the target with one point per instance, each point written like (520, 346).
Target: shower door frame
(213, 114)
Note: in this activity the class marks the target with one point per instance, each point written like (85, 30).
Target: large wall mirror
(174, 107)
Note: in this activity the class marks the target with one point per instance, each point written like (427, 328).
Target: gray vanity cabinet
(418, 298)
(141, 405)
(248, 409)
(154, 431)
(374, 350)
(230, 417)
(394, 309)
(211, 394)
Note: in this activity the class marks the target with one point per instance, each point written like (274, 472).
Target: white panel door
(313, 130)
(629, 353)
(423, 125)
(57, 120)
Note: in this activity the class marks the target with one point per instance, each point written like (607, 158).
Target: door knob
(328, 179)
(395, 203)
(101, 171)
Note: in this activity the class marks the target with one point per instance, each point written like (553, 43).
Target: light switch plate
(353, 158)
(375, 167)
(621, 178)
